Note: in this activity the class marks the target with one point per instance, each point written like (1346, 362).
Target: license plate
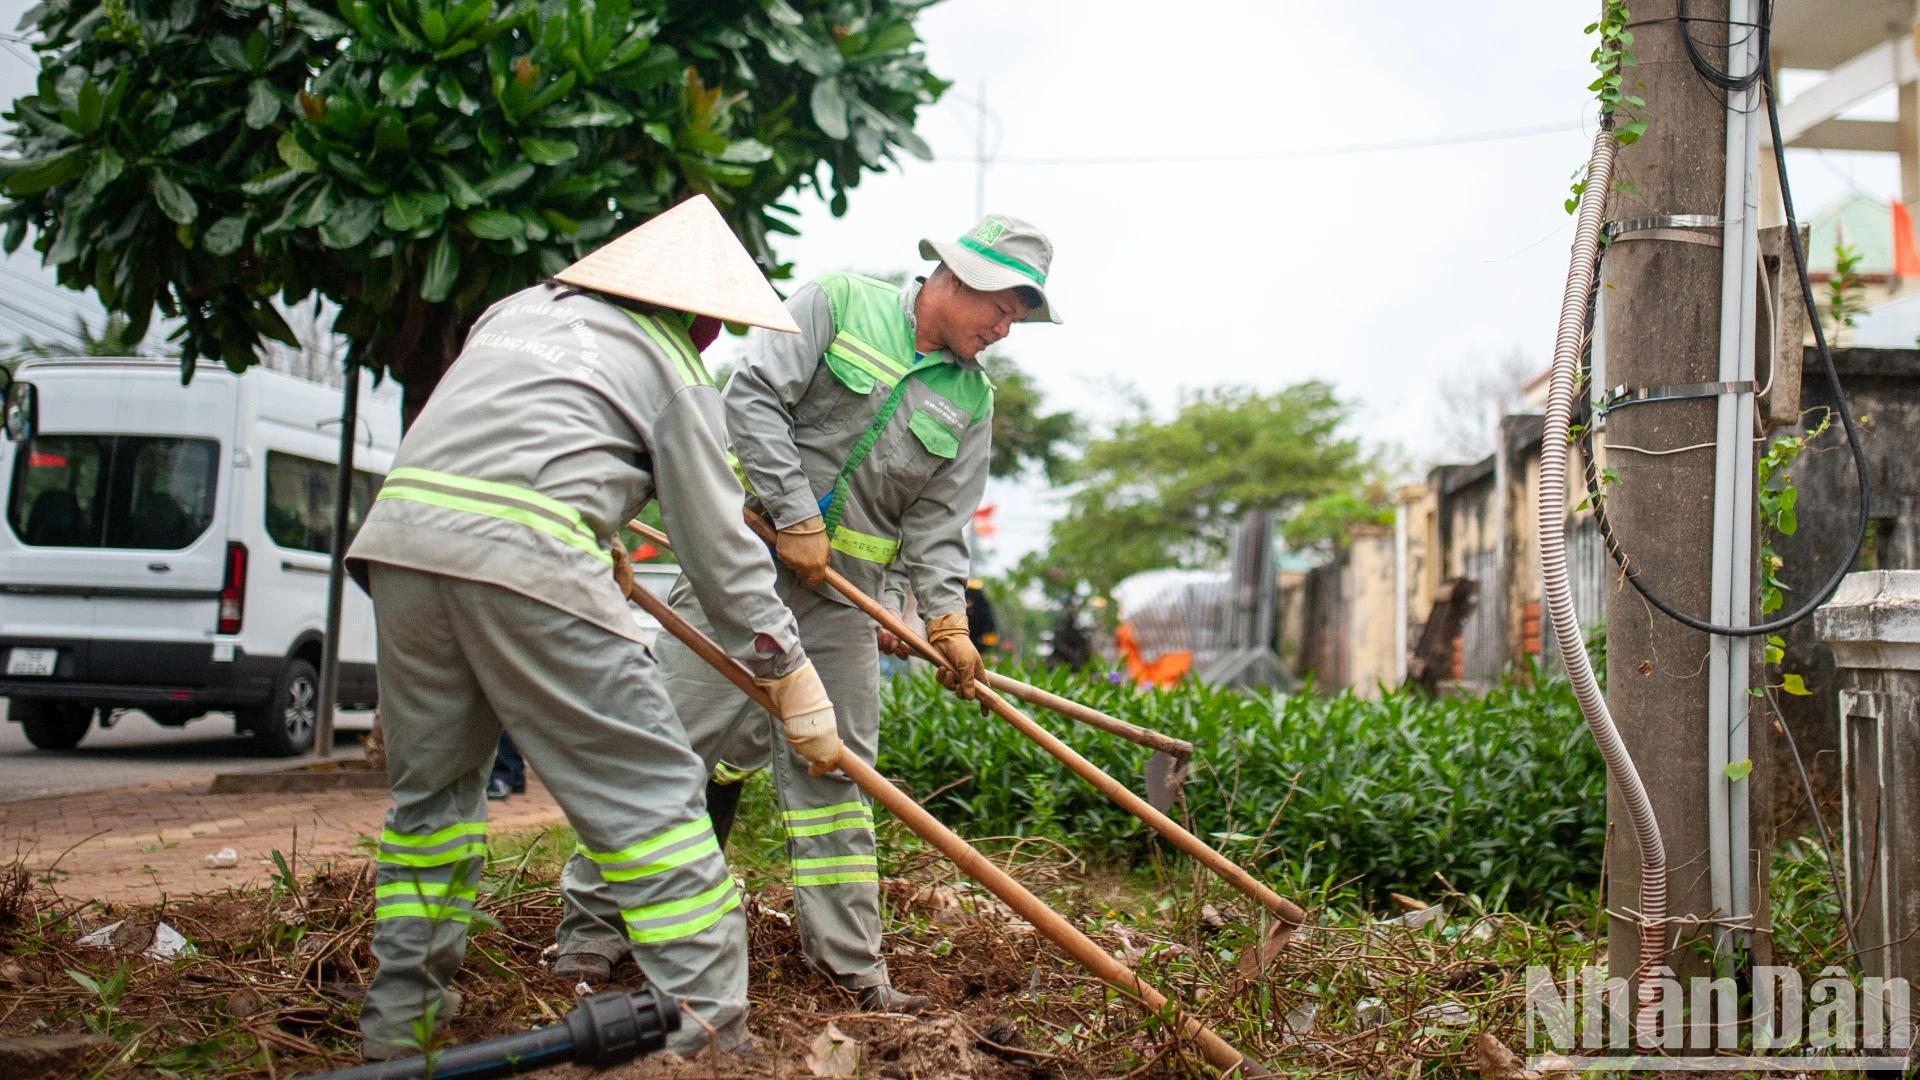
(32, 661)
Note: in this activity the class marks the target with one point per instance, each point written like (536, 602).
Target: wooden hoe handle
(1073, 710)
(1028, 906)
(1233, 873)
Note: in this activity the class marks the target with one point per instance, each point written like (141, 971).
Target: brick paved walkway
(130, 845)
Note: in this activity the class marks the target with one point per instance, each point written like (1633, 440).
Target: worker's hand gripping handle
(950, 634)
(800, 701)
(1044, 919)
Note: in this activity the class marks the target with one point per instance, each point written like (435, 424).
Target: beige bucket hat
(687, 259)
(1000, 253)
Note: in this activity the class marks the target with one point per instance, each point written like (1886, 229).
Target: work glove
(948, 634)
(800, 701)
(622, 568)
(890, 645)
(805, 549)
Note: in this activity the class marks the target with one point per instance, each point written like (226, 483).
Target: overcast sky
(1240, 238)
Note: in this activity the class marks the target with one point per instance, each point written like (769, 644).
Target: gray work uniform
(486, 554)
(794, 423)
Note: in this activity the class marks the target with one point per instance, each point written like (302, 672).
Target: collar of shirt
(909, 296)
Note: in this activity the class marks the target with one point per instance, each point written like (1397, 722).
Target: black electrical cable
(1813, 806)
(1840, 572)
(1712, 74)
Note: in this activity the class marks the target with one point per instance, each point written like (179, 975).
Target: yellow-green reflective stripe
(684, 929)
(740, 473)
(476, 852)
(801, 881)
(678, 336)
(423, 911)
(724, 773)
(497, 510)
(475, 829)
(830, 827)
(495, 488)
(834, 860)
(851, 343)
(692, 371)
(645, 847)
(823, 811)
(456, 890)
(680, 907)
(879, 374)
(709, 846)
(865, 546)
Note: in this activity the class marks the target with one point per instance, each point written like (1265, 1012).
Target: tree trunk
(419, 350)
(416, 353)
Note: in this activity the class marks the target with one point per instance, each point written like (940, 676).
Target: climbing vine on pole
(1611, 59)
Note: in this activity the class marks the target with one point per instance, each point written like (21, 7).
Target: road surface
(138, 751)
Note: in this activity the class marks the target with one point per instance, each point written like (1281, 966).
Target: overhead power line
(1285, 153)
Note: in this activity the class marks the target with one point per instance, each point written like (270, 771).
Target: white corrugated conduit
(1568, 349)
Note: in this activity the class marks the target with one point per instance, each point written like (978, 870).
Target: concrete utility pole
(1663, 288)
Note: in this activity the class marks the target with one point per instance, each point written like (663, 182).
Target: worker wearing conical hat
(491, 554)
(865, 440)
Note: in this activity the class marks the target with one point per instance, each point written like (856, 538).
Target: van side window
(150, 493)
(300, 501)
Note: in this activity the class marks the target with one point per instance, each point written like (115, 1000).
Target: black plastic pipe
(605, 1030)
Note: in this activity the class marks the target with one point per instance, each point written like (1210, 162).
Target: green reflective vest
(873, 353)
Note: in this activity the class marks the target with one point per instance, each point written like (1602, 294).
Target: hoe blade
(1165, 776)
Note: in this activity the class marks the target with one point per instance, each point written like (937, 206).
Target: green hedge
(1502, 794)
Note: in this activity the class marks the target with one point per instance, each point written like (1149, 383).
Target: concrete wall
(1884, 386)
(1367, 589)
(1479, 521)
(1350, 621)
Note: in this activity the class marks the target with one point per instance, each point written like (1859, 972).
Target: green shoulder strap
(861, 449)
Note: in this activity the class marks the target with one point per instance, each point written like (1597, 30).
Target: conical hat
(686, 259)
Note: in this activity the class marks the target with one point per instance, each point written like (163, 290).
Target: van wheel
(284, 726)
(52, 725)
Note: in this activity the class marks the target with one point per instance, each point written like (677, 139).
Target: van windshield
(113, 491)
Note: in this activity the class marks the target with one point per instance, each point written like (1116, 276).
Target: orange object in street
(1163, 670)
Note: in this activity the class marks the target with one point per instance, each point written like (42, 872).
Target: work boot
(885, 999)
(449, 1008)
(583, 967)
(723, 803)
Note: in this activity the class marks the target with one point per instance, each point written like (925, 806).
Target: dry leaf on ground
(833, 1054)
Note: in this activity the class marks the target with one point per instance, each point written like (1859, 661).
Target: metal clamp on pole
(1622, 396)
(1667, 227)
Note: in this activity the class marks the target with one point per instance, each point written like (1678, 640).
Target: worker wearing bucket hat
(493, 559)
(865, 440)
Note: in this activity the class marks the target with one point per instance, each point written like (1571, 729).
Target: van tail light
(233, 593)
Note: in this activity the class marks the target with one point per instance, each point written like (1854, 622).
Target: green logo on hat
(989, 231)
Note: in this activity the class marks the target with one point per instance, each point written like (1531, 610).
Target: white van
(166, 547)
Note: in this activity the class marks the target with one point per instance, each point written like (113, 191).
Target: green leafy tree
(1168, 493)
(415, 160)
(1024, 435)
(1328, 521)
